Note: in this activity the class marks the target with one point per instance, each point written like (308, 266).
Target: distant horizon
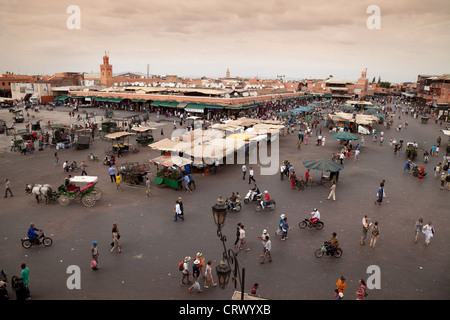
(285, 79)
(395, 40)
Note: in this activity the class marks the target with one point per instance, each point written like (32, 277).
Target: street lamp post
(230, 262)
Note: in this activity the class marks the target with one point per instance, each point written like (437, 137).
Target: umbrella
(324, 165)
(344, 135)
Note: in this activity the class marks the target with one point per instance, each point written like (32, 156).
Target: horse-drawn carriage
(42, 191)
(87, 195)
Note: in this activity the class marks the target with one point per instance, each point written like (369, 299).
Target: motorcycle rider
(266, 199)
(231, 201)
(255, 192)
(332, 244)
(315, 216)
(238, 197)
(32, 235)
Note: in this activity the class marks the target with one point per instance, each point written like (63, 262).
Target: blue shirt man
(32, 232)
(112, 173)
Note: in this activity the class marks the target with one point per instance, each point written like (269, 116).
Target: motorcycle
(270, 205)
(42, 239)
(236, 205)
(307, 223)
(256, 197)
(322, 251)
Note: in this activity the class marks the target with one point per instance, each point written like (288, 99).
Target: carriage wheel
(97, 193)
(88, 200)
(63, 200)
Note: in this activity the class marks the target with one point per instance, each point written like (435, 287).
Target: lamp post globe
(219, 211)
(223, 271)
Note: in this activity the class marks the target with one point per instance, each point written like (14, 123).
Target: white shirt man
(356, 154)
(315, 215)
(244, 171)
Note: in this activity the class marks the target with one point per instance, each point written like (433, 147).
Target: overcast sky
(193, 38)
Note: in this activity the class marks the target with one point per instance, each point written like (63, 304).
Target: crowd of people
(306, 129)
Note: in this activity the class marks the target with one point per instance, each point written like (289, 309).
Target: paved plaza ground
(153, 243)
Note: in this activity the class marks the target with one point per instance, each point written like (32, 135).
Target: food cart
(83, 139)
(120, 143)
(144, 135)
(168, 171)
(18, 116)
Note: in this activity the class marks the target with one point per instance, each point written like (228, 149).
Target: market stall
(168, 171)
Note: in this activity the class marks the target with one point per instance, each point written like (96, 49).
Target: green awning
(166, 104)
(214, 106)
(195, 107)
(61, 97)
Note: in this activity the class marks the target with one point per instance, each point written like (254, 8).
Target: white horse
(39, 190)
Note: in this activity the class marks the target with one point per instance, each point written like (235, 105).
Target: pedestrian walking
(8, 188)
(263, 241)
(375, 234)
(195, 274)
(147, 187)
(361, 294)
(380, 195)
(83, 168)
(284, 228)
(238, 233)
(437, 169)
(191, 181)
(116, 237)
(323, 141)
(94, 256)
(365, 227)
(112, 173)
(357, 154)
(178, 210)
(279, 231)
(25, 277)
(418, 228)
(118, 181)
(428, 230)
(332, 191)
(244, 171)
(55, 159)
(267, 249)
(340, 288)
(185, 271)
(442, 180)
(242, 240)
(199, 257)
(293, 179)
(209, 276)
(250, 175)
(186, 183)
